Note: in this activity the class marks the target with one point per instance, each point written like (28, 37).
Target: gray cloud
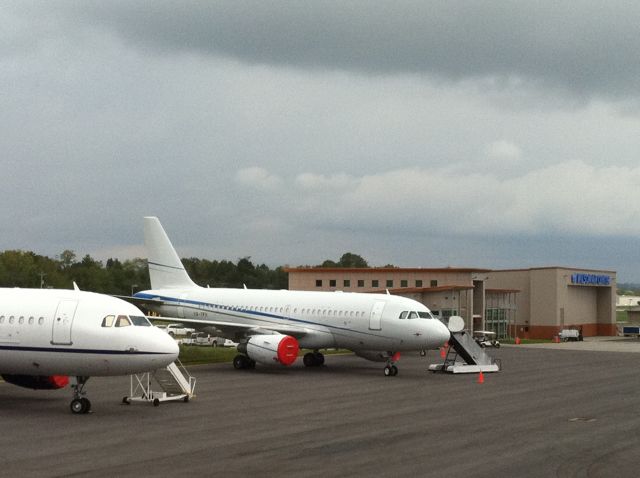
(585, 47)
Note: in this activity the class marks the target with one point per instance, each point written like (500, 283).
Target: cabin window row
(12, 319)
(303, 311)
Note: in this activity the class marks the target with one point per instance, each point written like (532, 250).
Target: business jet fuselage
(49, 334)
(272, 324)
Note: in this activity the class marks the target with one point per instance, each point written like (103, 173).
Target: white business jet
(47, 335)
(271, 325)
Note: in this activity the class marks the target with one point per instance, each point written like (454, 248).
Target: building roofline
(577, 269)
(383, 269)
(413, 290)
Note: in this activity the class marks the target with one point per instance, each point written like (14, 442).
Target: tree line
(30, 270)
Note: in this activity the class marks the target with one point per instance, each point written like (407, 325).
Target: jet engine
(38, 382)
(269, 349)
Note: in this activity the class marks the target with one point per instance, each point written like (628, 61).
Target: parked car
(203, 339)
(178, 329)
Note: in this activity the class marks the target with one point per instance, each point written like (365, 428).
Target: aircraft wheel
(126, 400)
(77, 406)
(318, 358)
(387, 371)
(394, 370)
(156, 402)
(239, 362)
(251, 364)
(497, 345)
(86, 404)
(482, 345)
(423, 353)
(185, 399)
(308, 360)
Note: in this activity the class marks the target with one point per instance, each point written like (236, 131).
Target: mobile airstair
(175, 382)
(473, 358)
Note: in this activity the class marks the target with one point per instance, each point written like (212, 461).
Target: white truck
(205, 340)
(178, 329)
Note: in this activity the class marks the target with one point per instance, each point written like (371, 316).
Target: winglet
(165, 268)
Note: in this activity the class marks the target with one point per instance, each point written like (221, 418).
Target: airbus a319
(272, 325)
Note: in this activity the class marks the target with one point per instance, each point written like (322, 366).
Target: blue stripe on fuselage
(142, 295)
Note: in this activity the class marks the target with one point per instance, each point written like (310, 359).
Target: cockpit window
(108, 320)
(123, 321)
(403, 314)
(425, 315)
(413, 315)
(140, 321)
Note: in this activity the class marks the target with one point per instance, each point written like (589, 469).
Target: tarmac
(559, 410)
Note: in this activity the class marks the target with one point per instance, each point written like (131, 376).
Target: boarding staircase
(462, 345)
(174, 380)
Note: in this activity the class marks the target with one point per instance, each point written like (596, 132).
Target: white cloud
(258, 178)
(568, 198)
(503, 151)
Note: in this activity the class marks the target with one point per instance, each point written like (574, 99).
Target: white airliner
(271, 325)
(47, 335)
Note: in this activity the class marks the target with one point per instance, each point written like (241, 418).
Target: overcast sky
(423, 134)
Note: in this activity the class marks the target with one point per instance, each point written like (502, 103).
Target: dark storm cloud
(586, 47)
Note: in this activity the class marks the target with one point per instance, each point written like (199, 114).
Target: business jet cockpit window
(415, 315)
(108, 320)
(123, 321)
(140, 321)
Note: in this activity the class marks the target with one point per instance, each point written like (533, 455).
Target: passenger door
(62, 322)
(375, 319)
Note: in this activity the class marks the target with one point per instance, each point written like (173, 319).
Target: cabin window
(11, 319)
(41, 321)
(31, 320)
(21, 320)
(123, 321)
(2, 319)
(140, 321)
(108, 320)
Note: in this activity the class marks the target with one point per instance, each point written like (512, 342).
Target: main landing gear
(313, 359)
(243, 362)
(80, 403)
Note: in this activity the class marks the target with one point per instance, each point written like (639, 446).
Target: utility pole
(42, 276)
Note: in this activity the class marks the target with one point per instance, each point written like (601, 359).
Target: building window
(403, 283)
(360, 282)
(318, 282)
(434, 283)
(418, 283)
(389, 282)
(375, 283)
(347, 283)
(332, 283)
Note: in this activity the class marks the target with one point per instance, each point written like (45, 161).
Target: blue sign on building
(590, 279)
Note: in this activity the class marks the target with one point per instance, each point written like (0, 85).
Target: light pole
(133, 286)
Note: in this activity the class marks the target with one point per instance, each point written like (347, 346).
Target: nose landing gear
(80, 404)
(390, 370)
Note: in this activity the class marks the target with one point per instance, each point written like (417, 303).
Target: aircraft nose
(168, 346)
(441, 333)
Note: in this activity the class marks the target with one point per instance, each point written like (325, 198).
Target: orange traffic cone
(481, 377)
(517, 340)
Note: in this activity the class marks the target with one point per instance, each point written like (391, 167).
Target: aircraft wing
(233, 329)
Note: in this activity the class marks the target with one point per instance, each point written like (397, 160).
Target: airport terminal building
(525, 303)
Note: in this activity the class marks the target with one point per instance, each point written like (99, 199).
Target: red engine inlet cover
(59, 381)
(288, 350)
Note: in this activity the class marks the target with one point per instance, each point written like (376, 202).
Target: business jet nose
(441, 333)
(166, 346)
